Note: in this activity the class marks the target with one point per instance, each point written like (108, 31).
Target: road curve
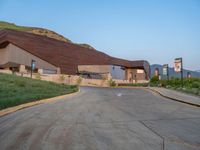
(104, 119)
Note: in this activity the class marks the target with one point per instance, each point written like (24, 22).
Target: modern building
(18, 49)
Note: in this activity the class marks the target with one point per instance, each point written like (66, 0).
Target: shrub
(112, 83)
(164, 83)
(154, 81)
(79, 80)
(190, 85)
(195, 84)
(175, 82)
(134, 84)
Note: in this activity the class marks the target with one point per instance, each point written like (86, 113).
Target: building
(18, 49)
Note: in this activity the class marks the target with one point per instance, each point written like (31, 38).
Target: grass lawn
(16, 90)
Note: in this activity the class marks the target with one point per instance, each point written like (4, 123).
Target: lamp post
(135, 78)
(69, 78)
(181, 71)
(32, 66)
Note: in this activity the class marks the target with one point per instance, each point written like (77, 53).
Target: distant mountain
(197, 70)
(172, 73)
(39, 31)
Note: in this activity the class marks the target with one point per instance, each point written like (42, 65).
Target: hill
(39, 31)
(172, 73)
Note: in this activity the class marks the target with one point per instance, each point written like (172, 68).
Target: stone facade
(118, 73)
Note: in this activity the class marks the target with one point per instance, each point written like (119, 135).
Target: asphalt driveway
(104, 119)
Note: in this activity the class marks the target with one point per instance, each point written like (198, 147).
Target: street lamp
(33, 65)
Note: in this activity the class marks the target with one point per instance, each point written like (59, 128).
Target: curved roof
(67, 56)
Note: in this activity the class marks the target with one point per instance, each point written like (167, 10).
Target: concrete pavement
(178, 96)
(104, 119)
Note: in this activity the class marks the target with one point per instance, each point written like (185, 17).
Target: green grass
(6, 25)
(12, 26)
(16, 90)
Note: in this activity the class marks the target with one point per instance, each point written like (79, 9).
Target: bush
(190, 85)
(134, 84)
(79, 80)
(112, 83)
(192, 82)
(195, 85)
(164, 83)
(154, 81)
(175, 82)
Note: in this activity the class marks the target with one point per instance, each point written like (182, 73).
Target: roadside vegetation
(112, 83)
(134, 84)
(190, 85)
(16, 90)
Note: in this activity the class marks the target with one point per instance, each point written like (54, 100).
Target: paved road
(104, 119)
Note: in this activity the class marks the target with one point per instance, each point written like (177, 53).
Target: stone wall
(72, 80)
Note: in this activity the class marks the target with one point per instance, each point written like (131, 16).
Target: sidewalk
(177, 96)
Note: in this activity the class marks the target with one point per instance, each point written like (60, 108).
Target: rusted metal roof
(67, 56)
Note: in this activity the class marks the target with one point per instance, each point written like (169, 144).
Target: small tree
(79, 80)
(154, 81)
(112, 83)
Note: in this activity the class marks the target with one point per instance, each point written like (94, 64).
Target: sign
(165, 69)
(178, 64)
(156, 72)
(189, 75)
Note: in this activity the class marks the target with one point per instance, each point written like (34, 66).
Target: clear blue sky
(154, 30)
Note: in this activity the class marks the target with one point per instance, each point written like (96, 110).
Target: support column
(58, 71)
(40, 71)
(22, 69)
(109, 76)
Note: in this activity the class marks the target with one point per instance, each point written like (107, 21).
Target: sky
(154, 30)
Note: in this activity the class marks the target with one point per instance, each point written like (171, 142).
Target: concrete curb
(26, 105)
(172, 98)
